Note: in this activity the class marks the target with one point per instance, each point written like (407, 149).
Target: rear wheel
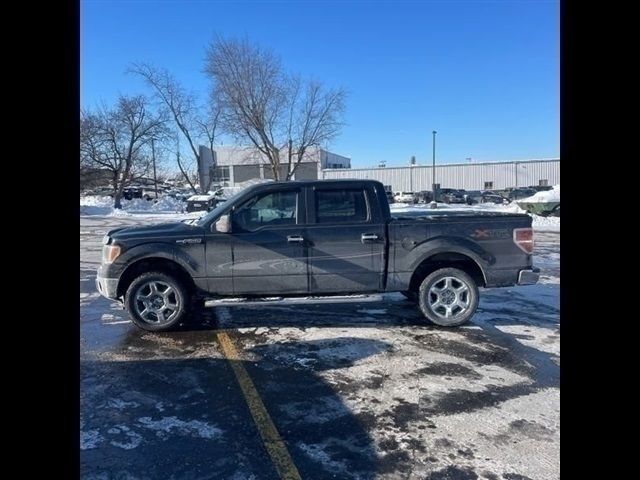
(448, 297)
(156, 301)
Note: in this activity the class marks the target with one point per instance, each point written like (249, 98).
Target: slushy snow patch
(168, 424)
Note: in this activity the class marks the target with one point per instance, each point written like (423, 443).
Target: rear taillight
(523, 238)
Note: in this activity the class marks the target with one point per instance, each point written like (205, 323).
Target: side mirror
(223, 224)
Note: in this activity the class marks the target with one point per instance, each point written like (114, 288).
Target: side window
(341, 206)
(271, 209)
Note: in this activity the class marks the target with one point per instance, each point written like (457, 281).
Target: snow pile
(164, 204)
(98, 205)
(544, 197)
(200, 198)
(96, 201)
(545, 224)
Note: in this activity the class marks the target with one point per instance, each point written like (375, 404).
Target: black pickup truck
(315, 238)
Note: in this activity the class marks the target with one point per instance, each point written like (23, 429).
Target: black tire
(411, 296)
(179, 296)
(468, 297)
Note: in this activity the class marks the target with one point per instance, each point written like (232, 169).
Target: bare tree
(316, 118)
(263, 105)
(186, 113)
(116, 139)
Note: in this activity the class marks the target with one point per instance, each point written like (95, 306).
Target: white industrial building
(468, 176)
(233, 165)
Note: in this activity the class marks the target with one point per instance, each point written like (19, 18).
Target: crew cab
(315, 238)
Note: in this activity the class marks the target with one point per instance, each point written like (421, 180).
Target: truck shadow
(186, 418)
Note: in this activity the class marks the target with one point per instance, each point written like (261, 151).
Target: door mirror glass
(223, 224)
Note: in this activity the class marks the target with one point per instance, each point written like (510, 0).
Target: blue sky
(484, 74)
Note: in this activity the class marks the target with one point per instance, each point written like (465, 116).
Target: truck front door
(267, 242)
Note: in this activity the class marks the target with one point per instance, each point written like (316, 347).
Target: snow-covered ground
(103, 206)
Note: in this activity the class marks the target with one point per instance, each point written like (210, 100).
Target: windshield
(216, 211)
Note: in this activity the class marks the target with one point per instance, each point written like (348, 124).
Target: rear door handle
(294, 239)
(369, 237)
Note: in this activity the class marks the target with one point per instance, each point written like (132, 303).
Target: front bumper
(108, 287)
(528, 276)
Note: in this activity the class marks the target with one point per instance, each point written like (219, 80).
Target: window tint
(271, 209)
(337, 206)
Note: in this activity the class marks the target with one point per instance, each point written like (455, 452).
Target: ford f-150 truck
(315, 238)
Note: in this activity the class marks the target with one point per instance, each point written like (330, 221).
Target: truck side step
(248, 302)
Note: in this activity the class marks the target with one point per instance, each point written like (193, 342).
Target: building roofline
(502, 162)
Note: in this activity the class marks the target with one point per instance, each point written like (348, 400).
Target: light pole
(153, 156)
(433, 168)
(412, 163)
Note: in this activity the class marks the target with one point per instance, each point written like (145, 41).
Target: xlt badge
(189, 240)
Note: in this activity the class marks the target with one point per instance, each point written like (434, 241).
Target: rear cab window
(341, 206)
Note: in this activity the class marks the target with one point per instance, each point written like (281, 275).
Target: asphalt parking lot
(359, 389)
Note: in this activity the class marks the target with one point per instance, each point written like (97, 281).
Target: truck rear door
(346, 239)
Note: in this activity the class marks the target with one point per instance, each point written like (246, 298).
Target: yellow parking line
(270, 437)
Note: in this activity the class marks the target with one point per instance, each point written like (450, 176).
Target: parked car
(198, 203)
(450, 195)
(543, 209)
(405, 197)
(471, 197)
(180, 194)
(129, 193)
(424, 196)
(520, 192)
(309, 238)
(485, 196)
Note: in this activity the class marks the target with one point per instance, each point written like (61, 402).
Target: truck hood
(173, 229)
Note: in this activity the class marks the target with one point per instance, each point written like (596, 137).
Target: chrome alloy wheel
(156, 302)
(449, 297)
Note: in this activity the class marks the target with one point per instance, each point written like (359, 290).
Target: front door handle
(369, 237)
(294, 239)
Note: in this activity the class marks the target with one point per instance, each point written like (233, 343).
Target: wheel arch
(154, 264)
(447, 260)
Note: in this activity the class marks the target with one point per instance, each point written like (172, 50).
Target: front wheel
(448, 297)
(156, 301)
